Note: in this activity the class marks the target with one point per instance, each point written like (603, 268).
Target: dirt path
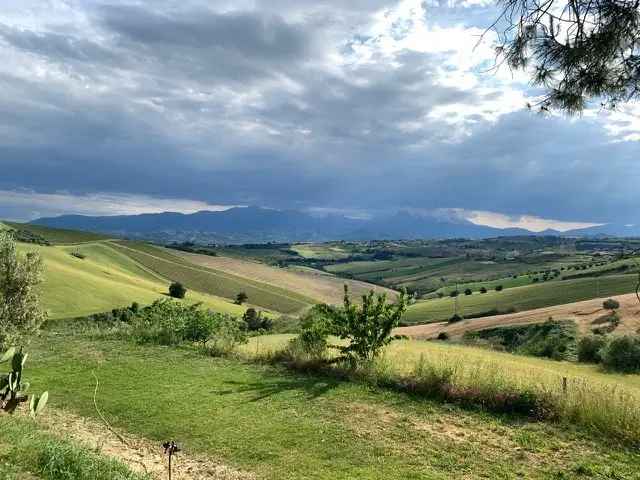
(583, 313)
(140, 454)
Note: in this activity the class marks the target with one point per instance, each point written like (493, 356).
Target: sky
(111, 107)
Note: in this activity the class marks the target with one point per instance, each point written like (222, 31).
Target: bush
(171, 323)
(177, 290)
(498, 288)
(589, 348)
(455, 318)
(468, 291)
(443, 336)
(454, 293)
(622, 354)
(367, 327)
(255, 322)
(241, 298)
(483, 290)
(611, 304)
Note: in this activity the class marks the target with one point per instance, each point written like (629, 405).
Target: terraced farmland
(211, 281)
(521, 298)
(322, 288)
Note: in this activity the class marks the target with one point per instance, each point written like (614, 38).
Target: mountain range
(258, 225)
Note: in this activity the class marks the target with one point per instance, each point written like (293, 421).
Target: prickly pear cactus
(12, 387)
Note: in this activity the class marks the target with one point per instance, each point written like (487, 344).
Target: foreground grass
(283, 425)
(28, 452)
(521, 298)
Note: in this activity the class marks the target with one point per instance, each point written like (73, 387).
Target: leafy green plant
(590, 347)
(13, 388)
(611, 304)
(367, 327)
(20, 312)
(177, 290)
(622, 354)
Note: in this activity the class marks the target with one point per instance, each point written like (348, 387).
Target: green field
(281, 425)
(214, 282)
(58, 236)
(103, 280)
(320, 251)
(521, 298)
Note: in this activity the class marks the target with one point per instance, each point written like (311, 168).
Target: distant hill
(257, 225)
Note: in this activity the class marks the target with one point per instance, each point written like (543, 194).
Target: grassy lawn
(282, 425)
(214, 282)
(103, 280)
(521, 298)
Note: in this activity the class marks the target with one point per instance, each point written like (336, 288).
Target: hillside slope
(322, 288)
(584, 313)
(523, 298)
(215, 282)
(103, 280)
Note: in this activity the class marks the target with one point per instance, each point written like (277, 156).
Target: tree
(453, 293)
(177, 290)
(241, 298)
(498, 288)
(468, 291)
(483, 290)
(20, 312)
(577, 50)
(254, 320)
(367, 328)
(611, 304)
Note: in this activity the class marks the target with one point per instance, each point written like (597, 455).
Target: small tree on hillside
(367, 328)
(611, 304)
(177, 290)
(498, 288)
(20, 313)
(241, 298)
(468, 291)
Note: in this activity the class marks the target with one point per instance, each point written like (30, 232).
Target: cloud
(354, 106)
(535, 224)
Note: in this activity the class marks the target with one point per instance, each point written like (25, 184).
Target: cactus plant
(12, 387)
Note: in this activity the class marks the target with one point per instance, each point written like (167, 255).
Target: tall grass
(500, 382)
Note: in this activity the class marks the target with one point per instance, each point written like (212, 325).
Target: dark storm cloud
(287, 105)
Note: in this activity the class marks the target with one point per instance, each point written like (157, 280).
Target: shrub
(241, 298)
(589, 348)
(611, 304)
(454, 293)
(367, 327)
(468, 291)
(177, 290)
(255, 322)
(455, 318)
(20, 313)
(483, 290)
(79, 255)
(498, 288)
(622, 354)
(443, 336)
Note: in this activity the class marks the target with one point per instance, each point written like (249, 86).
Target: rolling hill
(586, 314)
(104, 279)
(321, 287)
(520, 298)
